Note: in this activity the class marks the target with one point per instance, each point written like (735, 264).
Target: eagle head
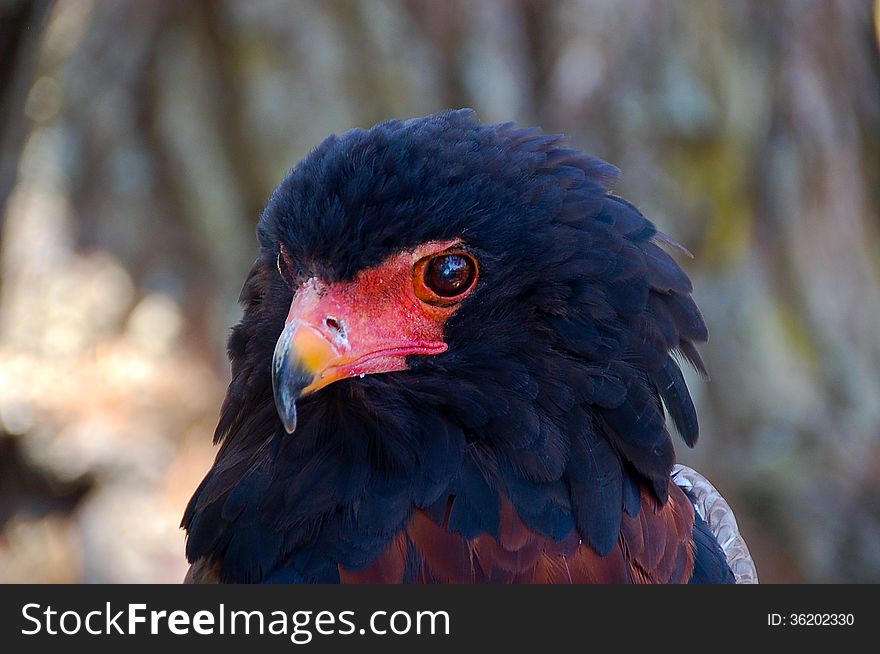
(442, 308)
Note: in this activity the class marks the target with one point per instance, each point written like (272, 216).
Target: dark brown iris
(450, 275)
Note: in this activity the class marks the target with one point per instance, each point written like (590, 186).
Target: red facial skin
(371, 324)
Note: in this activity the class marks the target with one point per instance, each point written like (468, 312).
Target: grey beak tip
(289, 423)
(285, 404)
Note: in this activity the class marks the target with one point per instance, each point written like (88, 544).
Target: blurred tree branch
(21, 26)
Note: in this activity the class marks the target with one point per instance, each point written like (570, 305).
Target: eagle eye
(445, 278)
(285, 266)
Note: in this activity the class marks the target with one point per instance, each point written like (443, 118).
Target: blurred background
(139, 142)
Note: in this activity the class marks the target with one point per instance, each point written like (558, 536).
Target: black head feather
(551, 392)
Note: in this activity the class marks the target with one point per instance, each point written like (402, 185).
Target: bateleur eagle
(456, 350)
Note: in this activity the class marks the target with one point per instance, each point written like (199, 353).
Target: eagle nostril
(334, 324)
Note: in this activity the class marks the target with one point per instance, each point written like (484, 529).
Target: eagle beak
(302, 354)
(310, 355)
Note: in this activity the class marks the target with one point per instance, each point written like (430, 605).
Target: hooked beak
(339, 332)
(301, 354)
